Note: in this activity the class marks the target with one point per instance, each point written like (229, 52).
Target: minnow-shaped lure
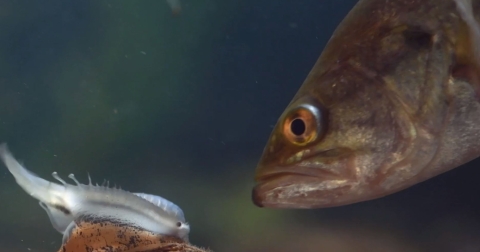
(65, 203)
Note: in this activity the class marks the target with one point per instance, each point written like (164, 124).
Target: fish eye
(179, 224)
(303, 125)
(297, 126)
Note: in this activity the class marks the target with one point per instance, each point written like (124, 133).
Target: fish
(392, 101)
(67, 204)
(176, 6)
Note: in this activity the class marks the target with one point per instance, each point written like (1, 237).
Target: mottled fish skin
(392, 101)
(65, 203)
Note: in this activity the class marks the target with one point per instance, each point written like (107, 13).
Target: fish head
(333, 145)
(183, 230)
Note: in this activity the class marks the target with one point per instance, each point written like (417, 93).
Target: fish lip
(295, 169)
(264, 193)
(299, 171)
(275, 175)
(263, 181)
(257, 197)
(269, 180)
(281, 171)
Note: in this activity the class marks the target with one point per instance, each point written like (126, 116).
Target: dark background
(182, 107)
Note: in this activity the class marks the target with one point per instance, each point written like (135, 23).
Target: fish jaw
(325, 179)
(299, 191)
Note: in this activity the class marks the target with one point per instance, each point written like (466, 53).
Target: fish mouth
(312, 166)
(278, 176)
(313, 183)
(279, 172)
(294, 190)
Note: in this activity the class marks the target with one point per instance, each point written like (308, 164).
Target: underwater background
(182, 106)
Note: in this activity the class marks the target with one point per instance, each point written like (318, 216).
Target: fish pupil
(297, 127)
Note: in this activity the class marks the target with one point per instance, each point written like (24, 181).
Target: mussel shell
(103, 236)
